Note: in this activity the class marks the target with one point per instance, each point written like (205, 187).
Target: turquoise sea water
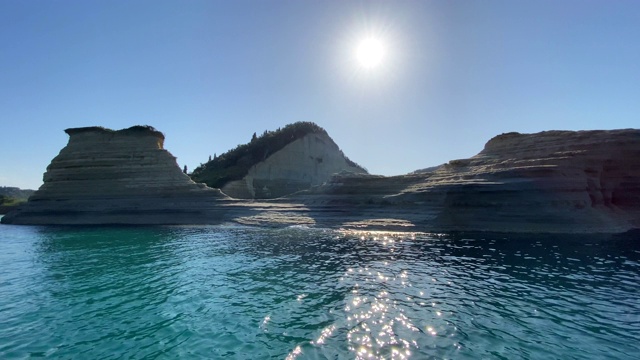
(248, 293)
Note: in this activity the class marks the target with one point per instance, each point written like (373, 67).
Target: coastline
(562, 182)
(282, 214)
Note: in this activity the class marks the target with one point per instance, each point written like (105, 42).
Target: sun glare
(370, 53)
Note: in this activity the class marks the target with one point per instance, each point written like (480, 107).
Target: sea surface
(230, 292)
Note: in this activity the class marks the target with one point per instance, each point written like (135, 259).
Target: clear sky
(211, 73)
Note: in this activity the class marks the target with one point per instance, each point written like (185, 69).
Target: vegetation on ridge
(234, 164)
(12, 196)
(10, 201)
(16, 193)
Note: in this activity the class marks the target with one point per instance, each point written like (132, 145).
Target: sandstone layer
(116, 177)
(305, 162)
(549, 182)
(553, 181)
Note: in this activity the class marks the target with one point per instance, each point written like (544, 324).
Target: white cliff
(549, 182)
(303, 163)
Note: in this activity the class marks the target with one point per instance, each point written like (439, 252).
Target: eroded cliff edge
(553, 181)
(549, 182)
(277, 163)
(104, 176)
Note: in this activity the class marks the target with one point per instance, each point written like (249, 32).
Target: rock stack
(116, 177)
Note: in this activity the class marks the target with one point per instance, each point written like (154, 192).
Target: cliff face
(549, 182)
(104, 176)
(554, 181)
(305, 162)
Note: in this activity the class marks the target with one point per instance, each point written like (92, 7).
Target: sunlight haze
(370, 53)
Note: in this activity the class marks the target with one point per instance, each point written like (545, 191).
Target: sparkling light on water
(233, 292)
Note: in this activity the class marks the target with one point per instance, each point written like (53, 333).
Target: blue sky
(210, 73)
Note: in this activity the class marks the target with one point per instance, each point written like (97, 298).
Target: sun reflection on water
(315, 293)
(380, 326)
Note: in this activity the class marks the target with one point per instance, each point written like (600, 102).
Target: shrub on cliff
(18, 194)
(10, 201)
(11, 197)
(235, 163)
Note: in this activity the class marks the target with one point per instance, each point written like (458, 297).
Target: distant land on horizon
(15, 192)
(12, 196)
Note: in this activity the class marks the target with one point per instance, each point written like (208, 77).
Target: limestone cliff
(297, 157)
(306, 162)
(549, 182)
(125, 177)
(553, 181)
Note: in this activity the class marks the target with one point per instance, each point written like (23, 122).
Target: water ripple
(235, 292)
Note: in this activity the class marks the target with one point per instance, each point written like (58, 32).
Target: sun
(370, 53)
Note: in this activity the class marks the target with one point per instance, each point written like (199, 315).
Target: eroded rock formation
(116, 177)
(305, 162)
(553, 181)
(549, 182)
(277, 163)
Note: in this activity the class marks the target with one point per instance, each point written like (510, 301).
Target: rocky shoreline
(549, 182)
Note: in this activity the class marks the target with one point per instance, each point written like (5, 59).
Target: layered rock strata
(116, 177)
(549, 182)
(303, 163)
(553, 181)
